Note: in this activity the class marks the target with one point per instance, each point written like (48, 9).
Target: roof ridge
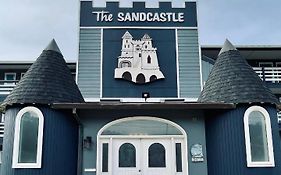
(52, 46)
(227, 46)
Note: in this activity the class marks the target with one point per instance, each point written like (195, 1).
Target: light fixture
(145, 95)
(87, 142)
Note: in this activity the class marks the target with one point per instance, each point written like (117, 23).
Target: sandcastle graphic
(138, 61)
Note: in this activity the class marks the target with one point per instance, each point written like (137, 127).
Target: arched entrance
(140, 79)
(127, 76)
(143, 146)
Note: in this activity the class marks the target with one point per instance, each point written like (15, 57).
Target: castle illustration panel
(145, 58)
(138, 61)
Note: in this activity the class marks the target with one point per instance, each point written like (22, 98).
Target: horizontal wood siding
(226, 150)
(89, 63)
(189, 64)
(206, 69)
(59, 144)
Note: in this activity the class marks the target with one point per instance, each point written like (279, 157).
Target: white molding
(108, 139)
(177, 62)
(140, 136)
(101, 61)
(90, 170)
(137, 27)
(250, 163)
(142, 118)
(141, 100)
(15, 163)
(199, 48)
(129, 4)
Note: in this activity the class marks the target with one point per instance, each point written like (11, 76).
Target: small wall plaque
(197, 153)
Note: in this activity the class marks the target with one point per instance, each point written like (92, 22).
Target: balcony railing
(6, 86)
(1, 129)
(269, 74)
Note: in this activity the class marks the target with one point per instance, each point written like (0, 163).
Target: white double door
(143, 156)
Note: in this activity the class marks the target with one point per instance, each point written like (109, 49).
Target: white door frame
(108, 139)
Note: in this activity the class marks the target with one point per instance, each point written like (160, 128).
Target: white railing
(1, 129)
(6, 86)
(269, 74)
(279, 116)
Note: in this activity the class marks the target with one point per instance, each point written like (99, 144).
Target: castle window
(139, 54)
(28, 138)
(148, 59)
(258, 138)
(145, 46)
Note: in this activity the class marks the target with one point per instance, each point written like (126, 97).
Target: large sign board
(139, 15)
(139, 46)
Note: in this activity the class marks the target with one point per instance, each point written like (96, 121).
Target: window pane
(258, 137)
(105, 157)
(178, 157)
(127, 155)
(156, 155)
(10, 77)
(28, 138)
(141, 126)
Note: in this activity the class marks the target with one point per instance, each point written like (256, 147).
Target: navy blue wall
(59, 155)
(226, 152)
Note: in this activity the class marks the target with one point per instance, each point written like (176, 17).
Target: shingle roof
(47, 81)
(232, 80)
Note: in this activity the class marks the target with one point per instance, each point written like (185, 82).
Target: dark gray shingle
(232, 80)
(47, 81)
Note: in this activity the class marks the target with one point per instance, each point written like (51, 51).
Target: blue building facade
(122, 116)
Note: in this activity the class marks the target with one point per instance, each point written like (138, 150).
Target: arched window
(127, 155)
(140, 79)
(258, 138)
(152, 78)
(28, 138)
(148, 59)
(127, 76)
(156, 155)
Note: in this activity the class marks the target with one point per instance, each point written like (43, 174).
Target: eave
(146, 105)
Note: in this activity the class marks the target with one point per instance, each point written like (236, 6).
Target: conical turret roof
(146, 37)
(48, 80)
(232, 80)
(127, 35)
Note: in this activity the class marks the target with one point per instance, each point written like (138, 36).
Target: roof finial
(227, 46)
(53, 46)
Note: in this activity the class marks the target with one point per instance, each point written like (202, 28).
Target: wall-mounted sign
(138, 49)
(138, 15)
(197, 153)
(138, 61)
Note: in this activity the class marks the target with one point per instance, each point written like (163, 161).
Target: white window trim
(22, 74)
(250, 163)
(15, 163)
(10, 73)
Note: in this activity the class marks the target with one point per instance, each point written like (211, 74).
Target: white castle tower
(138, 61)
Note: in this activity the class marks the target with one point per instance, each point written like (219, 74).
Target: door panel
(144, 156)
(126, 153)
(153, 164)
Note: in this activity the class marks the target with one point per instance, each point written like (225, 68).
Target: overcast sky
(27, 26)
